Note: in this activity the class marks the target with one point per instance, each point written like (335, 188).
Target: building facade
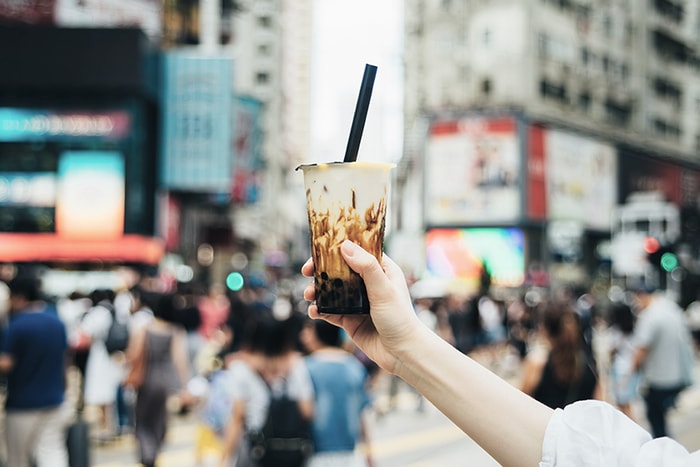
(575, 98)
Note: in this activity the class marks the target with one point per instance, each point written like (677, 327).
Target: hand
(392, 325)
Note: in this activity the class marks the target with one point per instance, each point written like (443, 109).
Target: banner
(472, 172)
(196, 108)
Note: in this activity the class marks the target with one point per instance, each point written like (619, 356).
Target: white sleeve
(299, 385)
(595, 434)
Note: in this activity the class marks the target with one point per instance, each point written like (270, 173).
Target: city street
(403, 436)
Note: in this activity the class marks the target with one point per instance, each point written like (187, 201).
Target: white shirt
(595, 434)
(247, 385)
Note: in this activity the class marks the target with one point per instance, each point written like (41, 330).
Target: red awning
(32, 247)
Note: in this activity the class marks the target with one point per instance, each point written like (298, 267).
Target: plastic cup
(345, 201)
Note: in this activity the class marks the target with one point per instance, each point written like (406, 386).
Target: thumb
(364, 264)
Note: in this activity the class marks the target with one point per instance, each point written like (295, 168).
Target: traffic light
(662, 257)
(669, 261)
(235, 281)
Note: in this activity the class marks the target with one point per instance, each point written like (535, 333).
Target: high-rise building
(271, 48)
(537, 118)
(623, 69)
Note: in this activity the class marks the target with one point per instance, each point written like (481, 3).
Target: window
(262, 77)
(554, 91)
(665, 128)
(584, 101)
(486, 87)
(264, 21)
(617, 112)
(264, 49)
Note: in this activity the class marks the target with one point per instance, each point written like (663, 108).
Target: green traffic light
(234, 281)
(669, 261)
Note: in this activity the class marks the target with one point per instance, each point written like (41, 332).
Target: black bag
(285, 439)
(118, 335)
(78, 444)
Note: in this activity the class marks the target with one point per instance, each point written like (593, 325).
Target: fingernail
(349, 248)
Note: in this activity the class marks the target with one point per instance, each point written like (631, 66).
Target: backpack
(285, 439)
(118, 335)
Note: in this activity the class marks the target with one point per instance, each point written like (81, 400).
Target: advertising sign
(462, 254)
(90, 197)
(28, 11)
(472, 172)
(20, 124)
(196, 108)
(676, 184)
(147, 14)
(64, 179)
(247, 158)
(581, 178)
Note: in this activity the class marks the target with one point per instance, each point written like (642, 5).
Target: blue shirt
(37, 343)
(339, 385)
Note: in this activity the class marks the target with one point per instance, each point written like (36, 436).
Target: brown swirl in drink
(338, 288)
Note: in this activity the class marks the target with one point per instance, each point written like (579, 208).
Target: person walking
(624, 380)
(34, 357)
(266, 365)
(103, 372)
(664, 355)
(563, 372)
(163, 347)
(341, 399)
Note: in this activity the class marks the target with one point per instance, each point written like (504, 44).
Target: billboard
(196, 116)
(246, 148)
(28, 11)
(472, 172)
(65, 176)
(581, 179)
(147, 14)
(24, 124)
(90, 194)
(462, 254)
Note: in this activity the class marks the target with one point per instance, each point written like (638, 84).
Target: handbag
(137, 371)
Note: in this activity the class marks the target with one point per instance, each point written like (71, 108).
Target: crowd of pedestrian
(633, 349)
(225, 357)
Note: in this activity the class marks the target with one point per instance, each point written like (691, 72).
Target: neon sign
(30, 124)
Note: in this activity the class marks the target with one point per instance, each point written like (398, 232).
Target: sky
(346, 36)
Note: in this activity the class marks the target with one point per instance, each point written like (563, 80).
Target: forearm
(474, 398)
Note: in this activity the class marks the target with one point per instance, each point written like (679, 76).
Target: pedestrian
(71, 310)
(511, 426)
(624, 379)
(214, 310)
(267, 364)
(34, 357)
(562, 372)
(664, 354)
(341, 399)
(103, 372)
(163, 347)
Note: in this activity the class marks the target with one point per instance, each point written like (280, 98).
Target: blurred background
(552, 142)
(540, 145)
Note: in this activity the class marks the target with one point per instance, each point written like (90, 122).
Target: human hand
(392, 326)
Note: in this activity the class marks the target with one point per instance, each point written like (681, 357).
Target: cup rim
(376, 164)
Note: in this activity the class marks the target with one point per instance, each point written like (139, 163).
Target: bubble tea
(345, 201)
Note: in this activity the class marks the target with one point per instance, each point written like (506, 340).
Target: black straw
(358, 120)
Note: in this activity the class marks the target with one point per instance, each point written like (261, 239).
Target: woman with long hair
(163, 345)
(624, 380)
(562, 373)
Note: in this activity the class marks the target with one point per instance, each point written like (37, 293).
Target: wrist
(410, 352)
